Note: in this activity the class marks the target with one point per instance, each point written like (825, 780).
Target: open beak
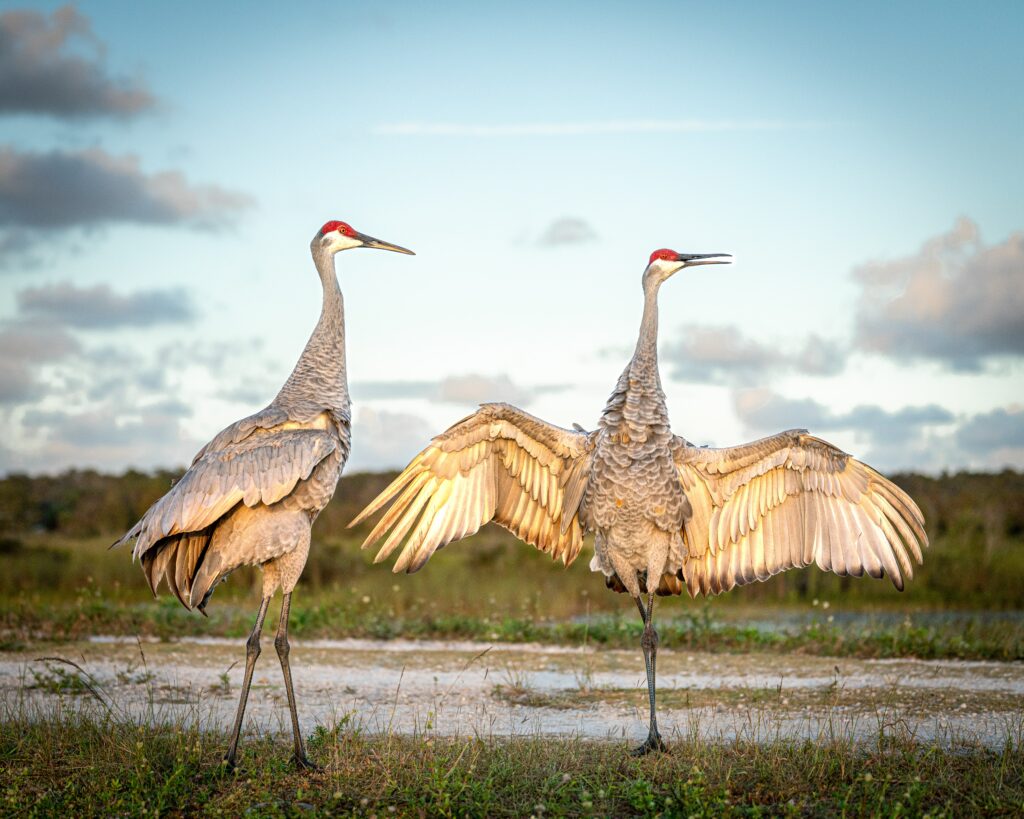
(694, 259)
(369, 241)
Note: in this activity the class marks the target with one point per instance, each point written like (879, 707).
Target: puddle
(466, 688)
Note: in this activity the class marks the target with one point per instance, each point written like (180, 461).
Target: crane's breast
(625, 490)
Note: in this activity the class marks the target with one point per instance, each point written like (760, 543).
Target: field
(63, 764)
(921, 714)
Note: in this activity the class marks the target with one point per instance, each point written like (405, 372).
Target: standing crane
(251, 495)
(665, 514)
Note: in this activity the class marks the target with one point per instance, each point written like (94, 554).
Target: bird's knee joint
(281, 644)
(649, 639)
(252, 646)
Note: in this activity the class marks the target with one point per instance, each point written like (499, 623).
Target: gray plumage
(665, 515)
(252, 493)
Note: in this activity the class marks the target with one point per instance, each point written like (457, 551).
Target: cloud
(468, 389)
(479, 389)
(386, 440)
(765, 411)
(571, 129)
(60, 189)
(42, 69)
(101, 307)
(722, 355)
(918, 437)
(568, 230)
(956, 301)
(24, 348)
(104, 437)
(993, 431)
(393, 390)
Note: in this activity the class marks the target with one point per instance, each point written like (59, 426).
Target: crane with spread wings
(666, 516)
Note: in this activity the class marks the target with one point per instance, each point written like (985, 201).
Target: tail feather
(205, 579)
(179, 561)
(129, 535)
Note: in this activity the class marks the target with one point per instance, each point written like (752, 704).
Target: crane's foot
(304, 763)
(652, 743)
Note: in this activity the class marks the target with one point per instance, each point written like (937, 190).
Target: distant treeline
(86, 503)
(975, 523)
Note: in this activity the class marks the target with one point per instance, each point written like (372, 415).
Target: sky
(164, 165)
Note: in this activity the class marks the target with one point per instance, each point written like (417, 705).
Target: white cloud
(467, 389)
(479, 389)
(722, 355)
(956, 301)
(386, 440)
(24, 348)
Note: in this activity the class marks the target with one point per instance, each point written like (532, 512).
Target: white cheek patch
(666, 267)
(339, 242)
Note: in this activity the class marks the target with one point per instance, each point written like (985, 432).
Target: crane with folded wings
(666, 515)
(251, 495)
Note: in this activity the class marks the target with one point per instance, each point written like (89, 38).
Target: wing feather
(788, 501)
(498, 464)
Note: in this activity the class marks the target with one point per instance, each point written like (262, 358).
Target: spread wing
(499, 464)
(257, 469)
(788, 501)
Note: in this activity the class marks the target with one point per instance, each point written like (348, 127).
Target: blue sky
(862, 162)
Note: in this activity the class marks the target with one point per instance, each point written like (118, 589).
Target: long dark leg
(281, 644)
(649, 643)
(252, 651)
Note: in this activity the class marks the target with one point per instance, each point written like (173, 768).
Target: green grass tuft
(63, 762)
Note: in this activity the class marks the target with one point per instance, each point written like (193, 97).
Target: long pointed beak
(694, 259)
(369, 241)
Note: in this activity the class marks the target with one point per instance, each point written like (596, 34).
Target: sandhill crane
(665, 514)
(251, 495)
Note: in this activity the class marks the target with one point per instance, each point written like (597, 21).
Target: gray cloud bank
(925, 437)
(568, 230)
(43, 69)
(61, 189)
(102, 307)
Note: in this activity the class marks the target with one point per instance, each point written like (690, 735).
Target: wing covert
(257, 469)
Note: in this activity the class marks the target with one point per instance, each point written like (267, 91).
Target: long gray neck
(319, 379)
(645, 358)
(638, 402)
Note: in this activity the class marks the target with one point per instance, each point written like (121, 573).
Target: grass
(24, 621)
(69, 761)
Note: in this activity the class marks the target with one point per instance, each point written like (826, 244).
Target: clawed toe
(304, 763)
(652, 743)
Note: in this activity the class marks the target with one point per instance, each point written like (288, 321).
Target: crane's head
(665, 263)
(335, 236)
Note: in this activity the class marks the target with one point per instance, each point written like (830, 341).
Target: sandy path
(470, 688)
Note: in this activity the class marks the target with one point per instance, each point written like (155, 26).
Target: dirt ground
(454, 688)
